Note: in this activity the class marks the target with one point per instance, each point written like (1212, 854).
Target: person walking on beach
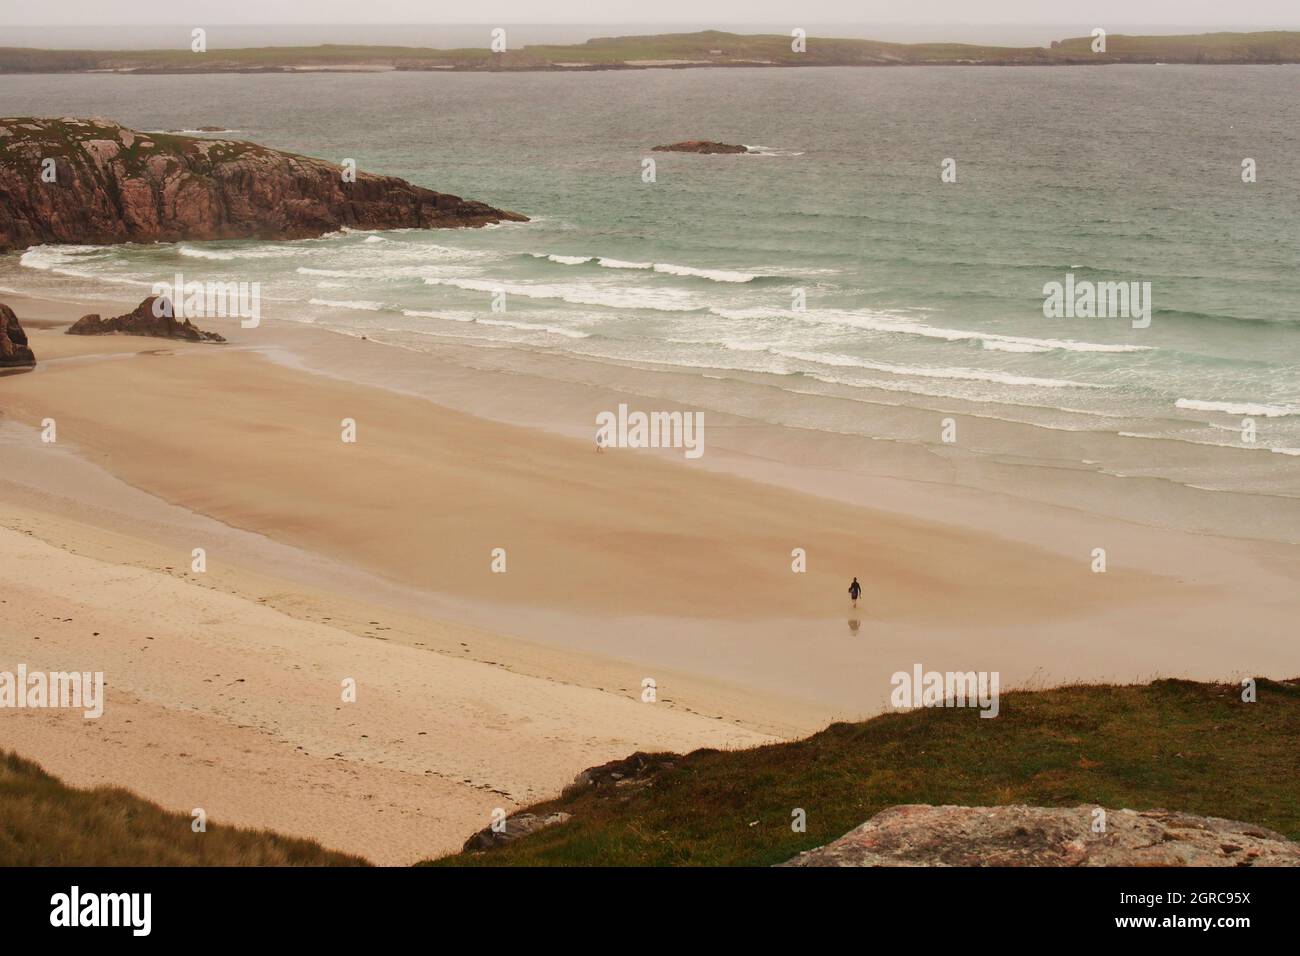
(854, 590)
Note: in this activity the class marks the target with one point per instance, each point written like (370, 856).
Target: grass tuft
(44, 822)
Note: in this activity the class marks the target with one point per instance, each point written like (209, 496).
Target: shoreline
(766, 432)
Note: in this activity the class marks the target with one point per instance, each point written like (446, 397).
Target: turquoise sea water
(917, 292)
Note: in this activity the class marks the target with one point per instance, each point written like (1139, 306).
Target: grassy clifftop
(47, 823)
(26, 141)
(706, 48)
(1171, 744)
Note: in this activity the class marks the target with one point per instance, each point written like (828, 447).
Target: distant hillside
(674, 50)
(47, 823)
(1178, 745)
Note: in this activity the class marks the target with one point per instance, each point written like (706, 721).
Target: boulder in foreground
(923, 835)
(95, 181)
(701, 146)
(144, 320)
(14, 350)
(519, 825)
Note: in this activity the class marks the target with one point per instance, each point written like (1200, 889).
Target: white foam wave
(959, 374)
(885, 322)
(1237, 408)
(770, 151)
(667, 268)
(715, 275)
(51, 258)
(562, 260)
(622, 264)
(1025, 347)
(500, 323)
(361, 306)
(731, 345)
(59, 260)
(279, 251)
(1237, 446)
(535, 327)
(190, 252)
(663, 300)
(450, 316)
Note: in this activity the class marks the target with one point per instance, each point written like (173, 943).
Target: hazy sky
(722, 12)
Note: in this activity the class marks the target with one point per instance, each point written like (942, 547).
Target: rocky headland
(94, 181)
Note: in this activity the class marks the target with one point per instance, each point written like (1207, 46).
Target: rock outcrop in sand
(144, 320)
(701, 146)
(14, 351)
(922, 835)
(94, 181)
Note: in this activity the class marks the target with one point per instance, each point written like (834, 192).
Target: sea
(888, 244)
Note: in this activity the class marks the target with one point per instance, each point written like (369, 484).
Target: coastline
(622, 565)
(709, 48)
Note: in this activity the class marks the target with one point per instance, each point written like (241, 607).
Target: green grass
(613, 52)
(44, 822)
(68, 140)
(1170, 744)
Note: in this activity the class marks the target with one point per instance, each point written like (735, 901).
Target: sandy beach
(477, 688)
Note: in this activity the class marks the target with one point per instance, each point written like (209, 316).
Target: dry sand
(219, 702)
(476, 689)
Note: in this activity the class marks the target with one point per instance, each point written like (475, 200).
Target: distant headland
(710, 48)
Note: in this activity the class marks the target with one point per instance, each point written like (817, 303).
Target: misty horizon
(446, 36)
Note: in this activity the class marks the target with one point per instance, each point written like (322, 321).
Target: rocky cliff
(94, 181)
(14, 351)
